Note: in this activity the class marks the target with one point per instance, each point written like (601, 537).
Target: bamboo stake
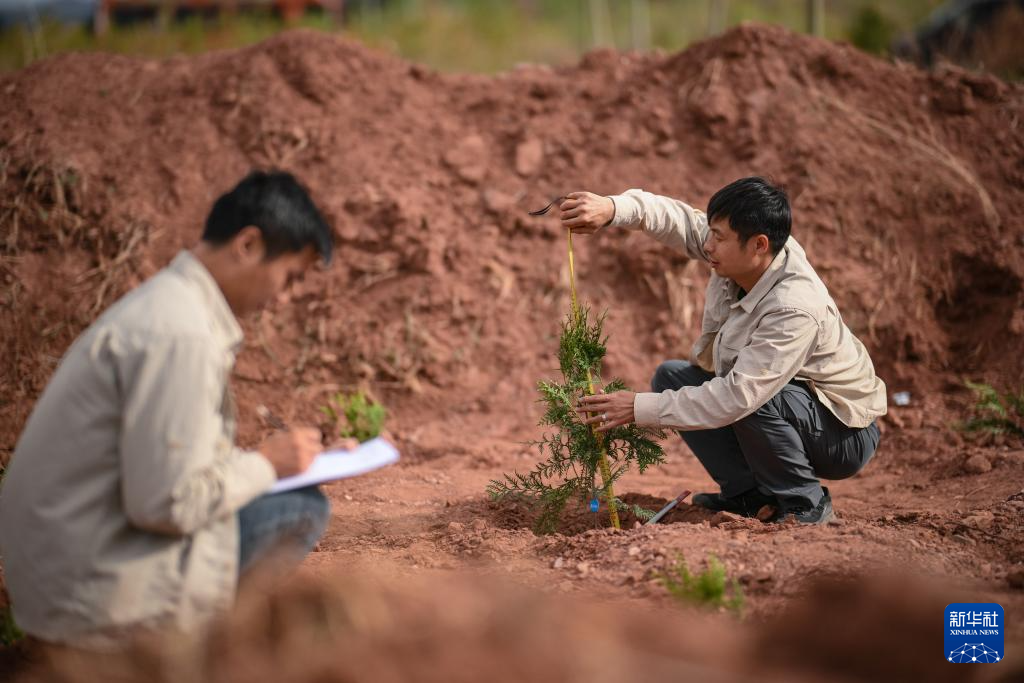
(816, 17)
(718, 16)
(601, 24)
(640, 23)
(606, 473)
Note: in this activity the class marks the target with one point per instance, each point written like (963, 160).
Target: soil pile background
(445, 299)
(905, 187)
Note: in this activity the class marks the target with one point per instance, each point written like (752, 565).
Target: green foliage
(640, 513)
(355, 416)
(9, 631)
(710, 587)
(871, 31)
(461, 35)
(22, 45)
(995, 412)
(572, 450)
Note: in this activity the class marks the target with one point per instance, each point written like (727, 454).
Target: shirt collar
(226, 326)
(767, 280)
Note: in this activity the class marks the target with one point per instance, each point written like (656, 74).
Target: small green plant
(575, 452)
(710, 587)
(354, 416)
(995, 412)
(9, 631)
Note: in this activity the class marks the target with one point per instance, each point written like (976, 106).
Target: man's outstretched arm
(670, 221)
(778, 349)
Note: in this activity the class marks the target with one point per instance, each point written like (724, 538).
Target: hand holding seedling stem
(608, 411)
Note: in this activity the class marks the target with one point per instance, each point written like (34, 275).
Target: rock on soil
(977, 464)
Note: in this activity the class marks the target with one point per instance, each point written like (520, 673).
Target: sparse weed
(355, 416)
(995, 412)
(710, 587)
(9, 631)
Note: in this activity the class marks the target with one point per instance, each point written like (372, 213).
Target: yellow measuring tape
(606, 473)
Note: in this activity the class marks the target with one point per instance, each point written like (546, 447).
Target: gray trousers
(783, 448)
(287, 525)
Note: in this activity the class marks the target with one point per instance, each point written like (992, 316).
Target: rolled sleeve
(779, 347)
(647, 409)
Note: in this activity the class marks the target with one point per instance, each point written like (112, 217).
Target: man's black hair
(279, 206)
(753, 206)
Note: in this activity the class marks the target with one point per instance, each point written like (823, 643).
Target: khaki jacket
(787, 326)
(118, 509)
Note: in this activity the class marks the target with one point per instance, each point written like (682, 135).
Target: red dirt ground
(445, 298)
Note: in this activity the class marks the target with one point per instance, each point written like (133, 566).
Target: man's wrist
(614, 209)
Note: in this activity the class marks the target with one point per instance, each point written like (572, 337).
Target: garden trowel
(668, 508)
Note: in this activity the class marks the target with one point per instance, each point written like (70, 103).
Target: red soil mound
(467, 628)
(446, 297)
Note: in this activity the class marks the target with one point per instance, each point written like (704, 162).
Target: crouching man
(126, 504)
(778, 393)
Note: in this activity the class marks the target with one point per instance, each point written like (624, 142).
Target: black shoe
(745, 504)
(820, 514)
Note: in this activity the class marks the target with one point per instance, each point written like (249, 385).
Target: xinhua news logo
(974, 633)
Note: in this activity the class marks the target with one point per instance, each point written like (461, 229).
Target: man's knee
(286, 525)
(674, 374)
(308, 514)
(318, 510)
(659, 382)
(851, 454)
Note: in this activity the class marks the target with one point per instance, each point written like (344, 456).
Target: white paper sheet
(331, 465)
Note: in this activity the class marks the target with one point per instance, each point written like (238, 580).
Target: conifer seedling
(574, 452)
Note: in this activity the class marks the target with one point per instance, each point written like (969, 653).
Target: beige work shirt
(118, 508)
(787, 326)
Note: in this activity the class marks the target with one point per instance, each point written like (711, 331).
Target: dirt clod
(529, 156)
(977, 464)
